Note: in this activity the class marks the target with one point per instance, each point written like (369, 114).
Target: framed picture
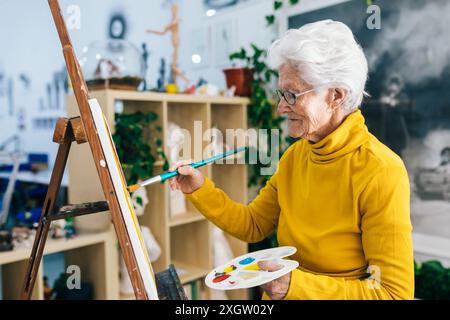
(223, 43)
(219, 4)
(403, 76)
(200, 47)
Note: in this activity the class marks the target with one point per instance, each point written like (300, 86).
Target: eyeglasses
(290, 97)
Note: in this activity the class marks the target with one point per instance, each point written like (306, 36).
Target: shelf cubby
(95, 254)
(195, 119)
(191, 249)
(230, 175)
(12, 279)
(230, 117)
(184, 218)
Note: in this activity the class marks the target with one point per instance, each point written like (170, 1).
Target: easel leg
(45, 220)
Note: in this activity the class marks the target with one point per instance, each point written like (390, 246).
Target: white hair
(328, 55)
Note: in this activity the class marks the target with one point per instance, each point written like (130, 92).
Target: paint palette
(244, 272)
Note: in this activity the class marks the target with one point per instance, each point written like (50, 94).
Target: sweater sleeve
(249, 223)
(387, 244)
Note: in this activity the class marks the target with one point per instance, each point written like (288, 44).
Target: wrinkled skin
(315, 114)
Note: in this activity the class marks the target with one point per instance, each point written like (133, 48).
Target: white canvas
(126, 207)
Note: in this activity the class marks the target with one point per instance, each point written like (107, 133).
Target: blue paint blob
(246, 261)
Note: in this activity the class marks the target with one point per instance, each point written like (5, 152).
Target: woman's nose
(282, 107)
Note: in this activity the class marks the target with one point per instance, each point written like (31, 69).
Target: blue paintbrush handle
(167, 175)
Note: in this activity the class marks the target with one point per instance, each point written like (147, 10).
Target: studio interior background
(408, 110)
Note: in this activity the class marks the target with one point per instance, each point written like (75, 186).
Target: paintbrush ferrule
(151, 181)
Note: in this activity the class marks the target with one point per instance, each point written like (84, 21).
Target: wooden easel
(82, 130)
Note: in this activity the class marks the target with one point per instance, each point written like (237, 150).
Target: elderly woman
(339, 195)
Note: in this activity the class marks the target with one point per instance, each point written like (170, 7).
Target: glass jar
(115, 64)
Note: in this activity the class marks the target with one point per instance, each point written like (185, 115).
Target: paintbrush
(170, 174)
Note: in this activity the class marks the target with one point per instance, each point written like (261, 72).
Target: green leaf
(151, 116)
(294, 2)
(270, 19)
(277, 4)
(240, 55)
(235, 56)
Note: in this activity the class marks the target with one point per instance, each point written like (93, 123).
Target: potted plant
(135, 138)
(240, 78)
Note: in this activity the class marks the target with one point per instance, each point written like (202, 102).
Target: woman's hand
(278, 288)
(188, 180)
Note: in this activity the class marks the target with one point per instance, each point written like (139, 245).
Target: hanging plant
(277, 5)
(138, 145)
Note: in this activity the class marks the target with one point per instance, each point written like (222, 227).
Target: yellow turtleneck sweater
(343, 202)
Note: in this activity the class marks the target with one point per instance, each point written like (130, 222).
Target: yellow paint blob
(254, 267)
(228, 269)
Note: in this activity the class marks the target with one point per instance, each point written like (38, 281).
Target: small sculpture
(222, 254)
(162, 74)
(57, 229)
(145, 55)
(175, 143)
(217, 145)
(106, 69)
(229, 93)
(207, 90)
(140, 201)
(174, 28)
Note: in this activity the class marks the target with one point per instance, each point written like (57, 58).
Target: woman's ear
(338, 96)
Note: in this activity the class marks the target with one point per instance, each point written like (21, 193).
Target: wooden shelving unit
(185, 239)
(95, 254)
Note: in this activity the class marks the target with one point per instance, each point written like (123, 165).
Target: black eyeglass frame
(281, 94)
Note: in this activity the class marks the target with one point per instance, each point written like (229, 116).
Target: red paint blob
(221, 278)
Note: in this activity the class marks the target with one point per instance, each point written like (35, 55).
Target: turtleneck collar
(350, 135)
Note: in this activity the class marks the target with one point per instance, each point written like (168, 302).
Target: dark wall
(409, 62)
